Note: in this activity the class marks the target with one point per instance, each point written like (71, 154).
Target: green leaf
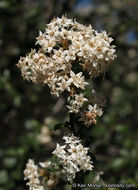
(118, 163)
(9, 162)
(3, 177)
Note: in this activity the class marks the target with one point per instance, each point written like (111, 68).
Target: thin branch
(72, 122)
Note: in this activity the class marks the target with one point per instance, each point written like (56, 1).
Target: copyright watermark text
(97, 186)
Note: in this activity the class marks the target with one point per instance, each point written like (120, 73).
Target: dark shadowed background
(24, 106)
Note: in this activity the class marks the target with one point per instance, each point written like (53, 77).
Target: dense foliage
(24, 106)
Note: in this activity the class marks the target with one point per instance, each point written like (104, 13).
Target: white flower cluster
(73, 156)
(52, 178)
(31, 173)
(47, 131)
(37, 175)
(89, 117)
(45, 135)
(76, 102)
(64, 45)
(68, 50)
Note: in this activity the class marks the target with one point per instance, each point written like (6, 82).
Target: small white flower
(95, 109)
(77, 80)
(45, 164)
(59, 150)
(64, 85)
(71, 139)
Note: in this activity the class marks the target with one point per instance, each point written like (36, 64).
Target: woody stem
(72, 122)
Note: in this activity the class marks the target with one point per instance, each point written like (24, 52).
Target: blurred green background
(24, 106)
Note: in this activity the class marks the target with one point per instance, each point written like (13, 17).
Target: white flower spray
(73, 156)
(69, 54)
